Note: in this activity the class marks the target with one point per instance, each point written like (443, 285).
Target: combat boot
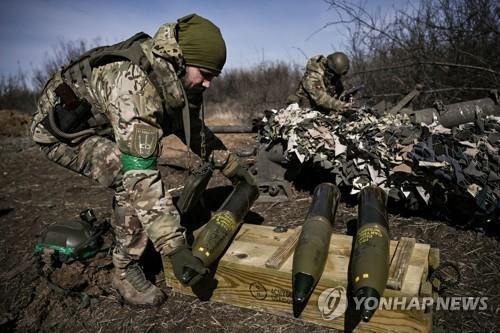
(135, 288)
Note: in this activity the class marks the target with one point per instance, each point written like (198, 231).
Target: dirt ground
(35, 192)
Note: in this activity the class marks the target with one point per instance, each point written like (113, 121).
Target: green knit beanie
(201, 43)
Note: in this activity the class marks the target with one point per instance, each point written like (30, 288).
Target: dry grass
(14, 123)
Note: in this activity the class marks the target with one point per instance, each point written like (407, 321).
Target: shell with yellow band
(370, 254)
(220, 230)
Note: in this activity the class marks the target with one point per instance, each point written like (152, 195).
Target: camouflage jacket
(140, 118)
(318, 89)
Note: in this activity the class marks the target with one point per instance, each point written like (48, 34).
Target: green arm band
(130, 162)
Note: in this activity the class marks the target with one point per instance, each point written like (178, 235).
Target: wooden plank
(400, 262)
(419, 262)
(434, 258)
(242, 279)
(425, 285)
(426, 289)
(283, 252)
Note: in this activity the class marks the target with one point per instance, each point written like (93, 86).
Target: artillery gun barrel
(459, 113)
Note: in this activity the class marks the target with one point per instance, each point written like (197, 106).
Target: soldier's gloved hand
(348, 105)
(235, 172)
(348, 108)
(242, 174)
(231, 167)
(188, 269)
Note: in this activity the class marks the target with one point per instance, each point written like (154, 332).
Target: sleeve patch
(144, 140)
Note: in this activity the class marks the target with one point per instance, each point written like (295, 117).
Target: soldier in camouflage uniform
(143, 101)
(321, 87)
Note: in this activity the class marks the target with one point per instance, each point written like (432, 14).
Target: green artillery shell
(223, 225)
(312, 248)
(370, 256)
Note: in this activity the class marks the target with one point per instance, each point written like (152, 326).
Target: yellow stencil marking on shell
(201, 249)
(368, 233)
(366, 275)
(356, 279)
(207, 253)
(226, 221)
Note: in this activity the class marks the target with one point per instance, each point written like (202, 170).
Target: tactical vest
(78, 73)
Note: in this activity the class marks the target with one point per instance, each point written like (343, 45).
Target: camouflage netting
(417, 164)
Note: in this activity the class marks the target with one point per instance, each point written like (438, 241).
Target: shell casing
(215, 237)
(312, 248)
(370, 255)
(219, 231)
(311, 252)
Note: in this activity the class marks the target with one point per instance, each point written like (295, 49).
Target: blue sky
(254, 30)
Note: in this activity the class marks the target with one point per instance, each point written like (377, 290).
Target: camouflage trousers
(99, 159)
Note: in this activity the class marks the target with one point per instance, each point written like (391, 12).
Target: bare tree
(62, 54)
(246, 93)
(15, 94)
(451, 46)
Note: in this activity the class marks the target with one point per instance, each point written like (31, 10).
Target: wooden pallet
(255, 273)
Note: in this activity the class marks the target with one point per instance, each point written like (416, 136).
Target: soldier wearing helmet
(321, 87)
(104, 115)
